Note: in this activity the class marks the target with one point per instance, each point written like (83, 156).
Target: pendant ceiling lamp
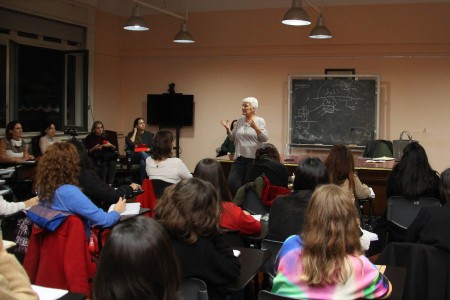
(297, 16)
(137, 23)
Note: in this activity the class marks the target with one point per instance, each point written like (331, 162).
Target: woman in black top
(413, 176)
(288, 212)
(100, 193)
(268, 162)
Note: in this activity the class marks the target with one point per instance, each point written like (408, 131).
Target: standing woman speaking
(249, 133)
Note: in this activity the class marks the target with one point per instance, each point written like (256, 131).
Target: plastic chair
(193, 289)
(268, 268)
(401, 212)
(266, 295)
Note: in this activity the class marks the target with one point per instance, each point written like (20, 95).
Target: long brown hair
(59, 165)
(189, 209)
(211, 170)
(162, 145)
(341, 166)
(330, 233)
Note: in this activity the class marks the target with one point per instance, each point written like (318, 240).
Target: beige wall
(250, 53)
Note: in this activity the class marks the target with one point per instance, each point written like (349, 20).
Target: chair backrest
(427, 270)
(232, 237)
(402, 211)
(60, 259)
(274, 247)
(266, 295)
(159, 186)
(193, 289)
(253, 204)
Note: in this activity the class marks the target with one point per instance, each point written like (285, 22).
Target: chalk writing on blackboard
(332, 111)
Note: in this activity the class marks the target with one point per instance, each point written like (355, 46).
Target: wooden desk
(374, 175)
(252, 261)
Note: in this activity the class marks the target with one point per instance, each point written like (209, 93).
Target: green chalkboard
(332, 111)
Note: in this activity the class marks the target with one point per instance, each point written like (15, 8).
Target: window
(43, 77)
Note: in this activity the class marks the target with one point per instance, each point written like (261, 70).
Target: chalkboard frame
(355, 77)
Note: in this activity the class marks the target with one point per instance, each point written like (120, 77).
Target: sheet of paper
(257, 217)
(372, 236)
(372, 194)
(236, 253)
(131, 208)
(384, 158)
(46, 293)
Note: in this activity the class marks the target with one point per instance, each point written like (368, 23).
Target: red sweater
(234, 218)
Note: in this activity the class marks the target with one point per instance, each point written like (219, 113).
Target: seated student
(161, 165)
(57, 185)
(341, 171)
(413, 176)
(14, 281)
(432, 224)
(47, 137)
(13, 148)
(101, 149)
(325, 260)
(268, 162)
(190, 212)
(227, 146)
(139, 136)
(288, 212)
(232, 217)
(8, 208)
(101, 193)
(137, 262)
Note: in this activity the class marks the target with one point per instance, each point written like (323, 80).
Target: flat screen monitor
(173, 110)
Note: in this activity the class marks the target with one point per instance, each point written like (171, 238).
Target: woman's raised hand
(225, 124)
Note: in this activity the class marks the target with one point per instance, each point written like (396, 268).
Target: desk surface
(141, 212)
(252, 261)
(360, 162)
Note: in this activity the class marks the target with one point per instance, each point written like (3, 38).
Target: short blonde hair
(252, 100)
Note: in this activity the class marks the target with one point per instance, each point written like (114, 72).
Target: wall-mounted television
(173, 110)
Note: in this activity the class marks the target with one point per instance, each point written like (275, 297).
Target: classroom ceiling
(123, 7)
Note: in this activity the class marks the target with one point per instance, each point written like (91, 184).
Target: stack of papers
(131, 208)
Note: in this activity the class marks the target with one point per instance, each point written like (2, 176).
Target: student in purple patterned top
(325, 261)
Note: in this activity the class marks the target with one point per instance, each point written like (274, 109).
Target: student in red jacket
(232, 217)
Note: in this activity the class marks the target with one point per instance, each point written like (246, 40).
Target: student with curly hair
(325, 261)
(58, 187)
(190, 212)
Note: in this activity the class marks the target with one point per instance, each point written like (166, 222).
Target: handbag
(400, 144)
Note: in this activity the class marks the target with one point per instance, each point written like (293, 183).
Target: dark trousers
(239, 173)
(107, 171)
(140, 157)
